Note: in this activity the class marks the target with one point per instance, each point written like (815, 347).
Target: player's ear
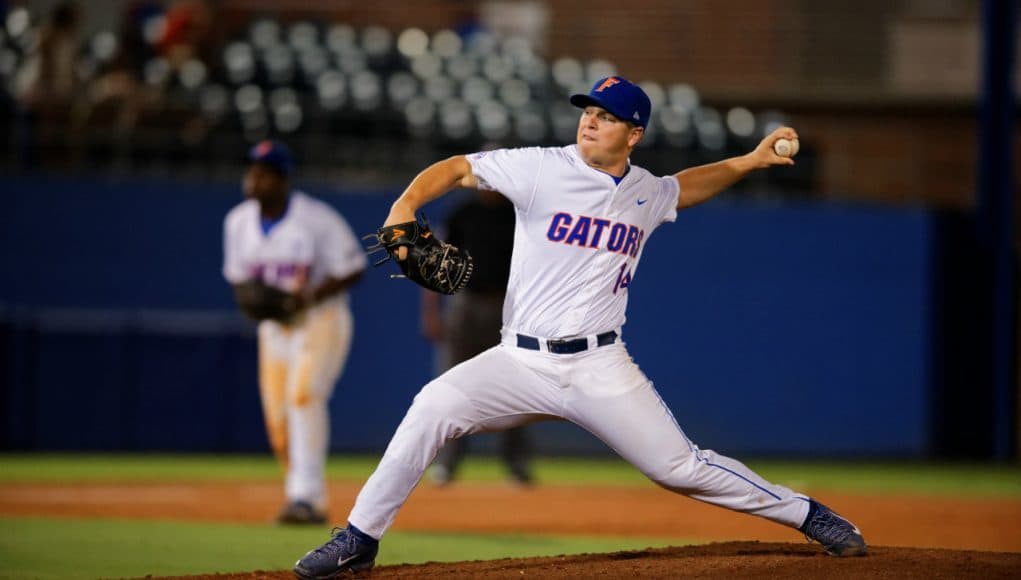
(636, 134)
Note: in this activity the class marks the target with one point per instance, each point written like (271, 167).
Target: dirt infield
(958, 525)
(726, 561)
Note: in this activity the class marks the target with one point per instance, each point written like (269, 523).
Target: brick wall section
(674, 41)
(393, 14)
(899, 156)
(894, 156)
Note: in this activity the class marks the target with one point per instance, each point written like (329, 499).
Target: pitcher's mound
(726, 561)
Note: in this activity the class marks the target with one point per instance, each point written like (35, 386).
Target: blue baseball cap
(273, 154)
(619, 96)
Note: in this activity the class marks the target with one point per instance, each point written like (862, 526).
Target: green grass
(63, 548)
(57, 467)
(972, 479)
(909, 477)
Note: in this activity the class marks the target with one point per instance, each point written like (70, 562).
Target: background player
(583, 216)
(293, 242)
(484, 226)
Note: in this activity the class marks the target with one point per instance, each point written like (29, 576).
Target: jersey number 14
(623, 278)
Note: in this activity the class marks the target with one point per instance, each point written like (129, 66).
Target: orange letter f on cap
(607, 84)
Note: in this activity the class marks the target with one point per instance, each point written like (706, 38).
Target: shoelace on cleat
(339, 540)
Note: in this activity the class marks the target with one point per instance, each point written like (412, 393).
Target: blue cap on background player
(274, 154)
(619, 96)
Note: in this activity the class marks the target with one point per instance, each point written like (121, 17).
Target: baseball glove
(430, 263)
(259, 301)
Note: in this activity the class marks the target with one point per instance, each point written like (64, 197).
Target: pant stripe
(695, 450)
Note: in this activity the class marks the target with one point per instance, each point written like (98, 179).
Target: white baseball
(786, 147)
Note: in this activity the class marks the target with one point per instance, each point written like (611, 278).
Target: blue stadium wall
(794, 329)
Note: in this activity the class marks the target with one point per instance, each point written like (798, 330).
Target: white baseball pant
(601, 390)
(298, 369)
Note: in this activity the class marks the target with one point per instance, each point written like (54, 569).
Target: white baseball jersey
(311, 237)
(578, 237)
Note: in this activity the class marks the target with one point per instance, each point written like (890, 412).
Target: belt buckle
(567, 345)
(553, 345)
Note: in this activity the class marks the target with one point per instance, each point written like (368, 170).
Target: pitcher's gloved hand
(430, 263)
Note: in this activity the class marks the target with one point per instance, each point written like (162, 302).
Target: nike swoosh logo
(641, 201)
(343, 561)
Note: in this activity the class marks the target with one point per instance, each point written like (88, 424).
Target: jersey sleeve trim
(673, 198)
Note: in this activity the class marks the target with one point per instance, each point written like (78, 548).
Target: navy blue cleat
(836, 534)
(350, 551)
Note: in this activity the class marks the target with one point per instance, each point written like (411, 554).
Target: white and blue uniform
(579, 236)
(299, 363)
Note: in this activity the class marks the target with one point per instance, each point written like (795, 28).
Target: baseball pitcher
(583, 216)
(290, 259)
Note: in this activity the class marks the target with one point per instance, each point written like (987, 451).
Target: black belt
(566, 346)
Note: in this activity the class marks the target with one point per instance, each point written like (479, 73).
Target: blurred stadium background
(859, 304)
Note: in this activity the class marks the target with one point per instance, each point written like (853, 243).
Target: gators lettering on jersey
(588, 230)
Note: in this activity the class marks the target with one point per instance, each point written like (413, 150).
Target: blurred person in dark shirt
(47, 86)
(484, 226)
